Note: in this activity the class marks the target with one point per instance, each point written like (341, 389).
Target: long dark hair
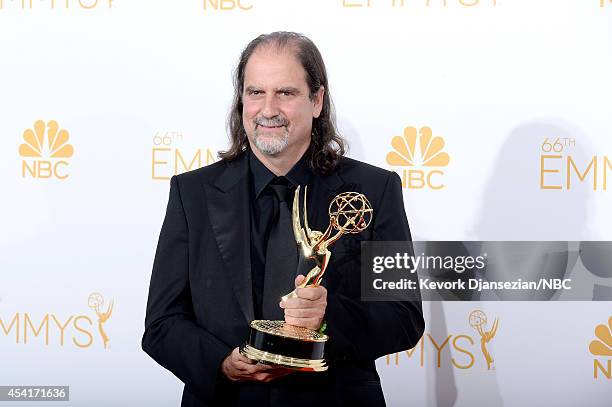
(326, 147)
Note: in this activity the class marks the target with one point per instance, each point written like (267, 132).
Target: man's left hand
(308, 309)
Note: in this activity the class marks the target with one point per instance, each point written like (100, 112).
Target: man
(223, 230)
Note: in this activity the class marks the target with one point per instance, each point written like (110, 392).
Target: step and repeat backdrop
(496, 114)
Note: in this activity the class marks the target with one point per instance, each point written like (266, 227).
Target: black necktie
(281, 253)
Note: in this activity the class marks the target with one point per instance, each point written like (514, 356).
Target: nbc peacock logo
(227, 5)
(45, 151)
(422, 154)
(602, 347)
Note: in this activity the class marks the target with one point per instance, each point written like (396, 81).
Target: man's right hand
(237, 367)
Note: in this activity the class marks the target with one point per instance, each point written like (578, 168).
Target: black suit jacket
(200, 297)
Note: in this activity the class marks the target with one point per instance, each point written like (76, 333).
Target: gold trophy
(299, 348)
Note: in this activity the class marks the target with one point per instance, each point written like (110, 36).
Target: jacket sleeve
(366, 330)
(172, 337)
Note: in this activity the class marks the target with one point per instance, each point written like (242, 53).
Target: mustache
(273, 122)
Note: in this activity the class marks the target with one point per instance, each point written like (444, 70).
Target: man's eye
(286, 93)
(254, 92)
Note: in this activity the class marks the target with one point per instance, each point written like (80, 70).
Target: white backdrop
(140, 86)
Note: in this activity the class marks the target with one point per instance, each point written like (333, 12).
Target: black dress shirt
(264, 207)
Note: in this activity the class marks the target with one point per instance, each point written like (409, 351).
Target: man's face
(277, 111)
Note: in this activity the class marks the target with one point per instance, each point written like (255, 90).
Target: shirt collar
(261, 176)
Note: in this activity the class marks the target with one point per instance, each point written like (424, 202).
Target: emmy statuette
(298, 348)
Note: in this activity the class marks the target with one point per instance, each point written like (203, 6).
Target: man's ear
(318, 102)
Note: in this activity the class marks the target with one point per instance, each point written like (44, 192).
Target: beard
(271, 144)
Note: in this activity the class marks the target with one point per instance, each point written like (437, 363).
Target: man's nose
(270, 108)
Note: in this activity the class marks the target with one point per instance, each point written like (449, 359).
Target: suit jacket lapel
(229, 213)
